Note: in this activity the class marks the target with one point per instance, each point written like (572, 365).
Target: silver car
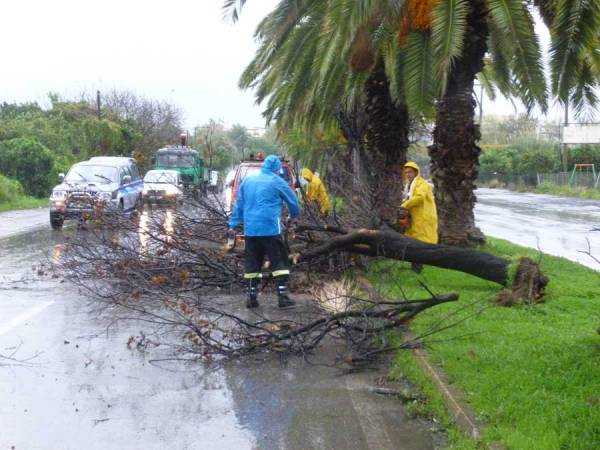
(163, 186)
(107, 183)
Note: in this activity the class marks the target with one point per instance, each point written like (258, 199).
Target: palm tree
(430, 51)
(301, 72)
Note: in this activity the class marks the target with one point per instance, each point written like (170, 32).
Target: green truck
(188, 163)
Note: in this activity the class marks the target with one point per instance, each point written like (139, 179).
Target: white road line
(18, 320)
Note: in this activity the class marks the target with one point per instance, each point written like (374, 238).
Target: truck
(188, 163)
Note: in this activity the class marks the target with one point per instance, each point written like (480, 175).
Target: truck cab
(188, 163)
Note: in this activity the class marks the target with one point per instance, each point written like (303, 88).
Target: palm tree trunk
(353, 123)
(455, 153)
(387, 144)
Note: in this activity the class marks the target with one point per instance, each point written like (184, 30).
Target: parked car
(90, 188)
(163, 186)
(252, 167)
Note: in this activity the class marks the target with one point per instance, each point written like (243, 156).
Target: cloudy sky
(177, 50)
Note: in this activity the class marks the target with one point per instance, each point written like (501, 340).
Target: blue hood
(271, 164)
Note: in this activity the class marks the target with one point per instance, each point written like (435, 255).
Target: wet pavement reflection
(80, 386)
(559, 226)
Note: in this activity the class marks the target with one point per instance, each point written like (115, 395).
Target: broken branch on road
(168, 269)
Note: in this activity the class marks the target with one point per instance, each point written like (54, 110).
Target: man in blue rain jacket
(258, 206)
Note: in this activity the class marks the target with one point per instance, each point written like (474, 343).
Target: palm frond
(419, 86)
(486, 78)
(449, 24)
(584, 99)
(233, 9)
(516, 35)
(574, 29)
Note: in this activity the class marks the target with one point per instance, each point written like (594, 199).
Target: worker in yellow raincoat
(315, 190)
(421, 204)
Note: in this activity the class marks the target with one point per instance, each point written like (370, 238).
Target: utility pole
(98, 104)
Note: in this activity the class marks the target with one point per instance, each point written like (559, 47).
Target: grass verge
(531, 374)
(551, 189)
(567, 191)
(23, 202)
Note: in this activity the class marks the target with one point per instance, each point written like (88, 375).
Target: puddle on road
(87, 389)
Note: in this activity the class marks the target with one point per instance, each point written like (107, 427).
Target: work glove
(290, 223)
(231, 238)
(404, 219)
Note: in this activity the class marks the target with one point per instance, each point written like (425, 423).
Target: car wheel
(139, 204)
(56, 223)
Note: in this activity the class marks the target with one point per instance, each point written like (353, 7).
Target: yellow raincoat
(421, 204)
(316, 190)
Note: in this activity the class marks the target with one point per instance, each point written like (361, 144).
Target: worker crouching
(315, 191)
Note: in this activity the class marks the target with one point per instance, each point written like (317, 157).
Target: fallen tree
(168, 269)
(528, 283)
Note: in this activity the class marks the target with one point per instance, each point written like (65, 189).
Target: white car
(106, 183)
(163, 186)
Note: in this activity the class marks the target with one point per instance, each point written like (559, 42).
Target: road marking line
(18, 320)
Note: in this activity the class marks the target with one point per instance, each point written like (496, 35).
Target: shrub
(29, 162)
(584, 154)
(9, 189)
(521, 158)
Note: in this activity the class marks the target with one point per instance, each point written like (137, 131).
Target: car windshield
(94, 174)
(176, 160)
(156, 176)
(248, 171)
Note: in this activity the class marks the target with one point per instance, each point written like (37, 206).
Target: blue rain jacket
(260, 199)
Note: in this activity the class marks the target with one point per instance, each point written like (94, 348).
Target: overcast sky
(177, 50)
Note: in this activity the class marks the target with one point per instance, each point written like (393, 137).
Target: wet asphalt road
(81, 387)
(558, 226)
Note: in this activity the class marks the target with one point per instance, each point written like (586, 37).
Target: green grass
(549, 188)
(24, 202)
(567, 191)
(531, 374)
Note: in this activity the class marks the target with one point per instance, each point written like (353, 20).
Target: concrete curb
(459, 412)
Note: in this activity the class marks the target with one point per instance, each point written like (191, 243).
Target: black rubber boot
(416, 267)
(283, 297)
(252, 299)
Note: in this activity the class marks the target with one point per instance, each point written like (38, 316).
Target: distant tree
(240, 139)
(216, 146)
(507, 130)
(9, 189)
(159, 123)
(30, 163)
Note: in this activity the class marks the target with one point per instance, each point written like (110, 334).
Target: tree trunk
(387, 143)
(390, 244)
(528, 284)
(454, 153)
(353, 123)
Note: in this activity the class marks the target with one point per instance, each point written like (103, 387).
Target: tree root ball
(528, 286)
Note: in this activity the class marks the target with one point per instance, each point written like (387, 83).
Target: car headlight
(171, 190)
(145, 191)
(104, 196)
(58, 195)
